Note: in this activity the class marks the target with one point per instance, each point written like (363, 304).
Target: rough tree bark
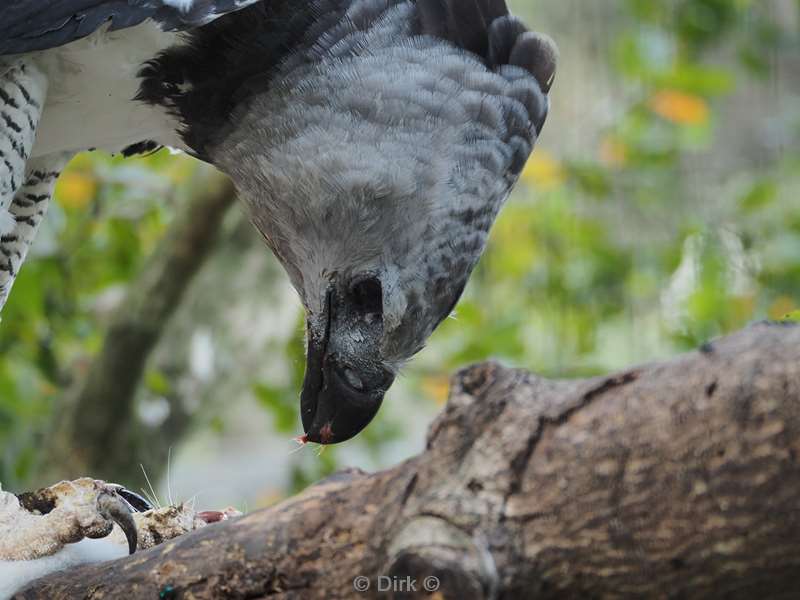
(678, 479)
(93, 428)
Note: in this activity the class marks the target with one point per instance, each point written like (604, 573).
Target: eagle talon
(39, 524)
(52, 528)
(114, 508)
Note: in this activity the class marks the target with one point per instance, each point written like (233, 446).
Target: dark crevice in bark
(412, 483)
(519, 462)
(608, 384)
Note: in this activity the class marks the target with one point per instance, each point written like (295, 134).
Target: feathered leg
(23, 88)
(25, 212)
(25, 185)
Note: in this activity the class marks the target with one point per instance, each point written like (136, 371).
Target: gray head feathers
(378, 149)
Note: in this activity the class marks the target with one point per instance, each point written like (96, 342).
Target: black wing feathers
(537, 54)
(30, 25)
(433, 18)
(468, 25)
(503, 35)
(228, 60)
(486, 28)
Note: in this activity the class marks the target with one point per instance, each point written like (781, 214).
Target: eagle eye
(366, 296)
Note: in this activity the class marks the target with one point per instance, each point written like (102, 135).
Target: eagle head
(374, 159)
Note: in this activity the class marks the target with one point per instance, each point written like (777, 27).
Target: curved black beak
(341, 392)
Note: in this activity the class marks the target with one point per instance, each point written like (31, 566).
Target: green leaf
(157, 382)
(792, 317)
(280, 404)
(591, 178)
(761, 194)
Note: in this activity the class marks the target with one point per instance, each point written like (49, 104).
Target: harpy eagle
(372, 143)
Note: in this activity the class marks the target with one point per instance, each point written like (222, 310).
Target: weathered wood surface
(677, 479)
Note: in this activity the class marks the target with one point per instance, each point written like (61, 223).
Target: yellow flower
(75, 189)
(679, 107)
(543, 171)
(613, 152)
(743, 308)
(269, 497)
(782, 306)
(437, 388)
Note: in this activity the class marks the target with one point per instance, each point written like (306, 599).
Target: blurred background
(660, 209)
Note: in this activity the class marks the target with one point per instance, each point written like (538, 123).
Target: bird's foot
(38, 524)
(56, 528)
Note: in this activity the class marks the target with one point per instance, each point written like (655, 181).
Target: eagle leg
(24, 214)
(25, 185)
(23, 88)
(39, 524)
(39, 530)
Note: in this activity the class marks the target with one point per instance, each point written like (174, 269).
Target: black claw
(134, 500)
(116, 509)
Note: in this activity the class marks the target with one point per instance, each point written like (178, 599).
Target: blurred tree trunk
(96, 430)
(677, 479)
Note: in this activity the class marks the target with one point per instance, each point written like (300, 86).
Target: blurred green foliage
(670, 224)
(108, 216)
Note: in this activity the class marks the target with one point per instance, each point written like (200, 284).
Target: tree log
(677, 479)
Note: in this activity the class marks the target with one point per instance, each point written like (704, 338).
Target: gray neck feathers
(376, 148)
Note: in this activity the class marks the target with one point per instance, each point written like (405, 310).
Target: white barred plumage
(23, 88)
(28, 208)
(25, 186)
